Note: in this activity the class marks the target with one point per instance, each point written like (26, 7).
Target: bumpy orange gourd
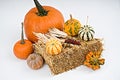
(93, 60)
(72, 26)
(53, 46)
(40, 19)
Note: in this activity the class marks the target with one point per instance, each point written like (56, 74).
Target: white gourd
(86, 33)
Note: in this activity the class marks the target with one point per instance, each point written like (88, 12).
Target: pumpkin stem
(87, 21)
(70, 16)
(41, 10)
(22, 35)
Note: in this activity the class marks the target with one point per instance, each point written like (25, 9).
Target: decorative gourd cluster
(46, 24)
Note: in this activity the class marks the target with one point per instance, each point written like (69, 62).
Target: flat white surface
(104, 16)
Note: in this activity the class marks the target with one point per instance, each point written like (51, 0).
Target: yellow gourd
(72, 26)
(53, 46)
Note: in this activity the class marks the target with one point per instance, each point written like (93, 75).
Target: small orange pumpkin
(23, 48)
(53, 46)
(40, 19)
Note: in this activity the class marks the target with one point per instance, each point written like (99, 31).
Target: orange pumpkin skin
(22, 51)
(41, 24)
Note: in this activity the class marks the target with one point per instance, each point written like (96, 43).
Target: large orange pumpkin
(40, 19)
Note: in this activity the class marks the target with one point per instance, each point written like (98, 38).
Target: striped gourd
(86, 33)
(53, 46)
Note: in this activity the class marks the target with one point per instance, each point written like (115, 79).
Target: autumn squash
(53, 46)
(93, 61)
(35, 61)
(40, 19)
(86, 33)
(23, 48)
(72, 26)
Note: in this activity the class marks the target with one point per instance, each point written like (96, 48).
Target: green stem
(22, 35)
(70, 16)
(41, 10)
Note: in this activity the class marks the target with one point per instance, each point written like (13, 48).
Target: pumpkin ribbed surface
(35, 61)
(86, 33)
(53, 46)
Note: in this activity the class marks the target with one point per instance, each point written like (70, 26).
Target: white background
(104, 16)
